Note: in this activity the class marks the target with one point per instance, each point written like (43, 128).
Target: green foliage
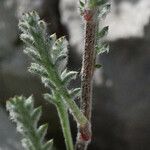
(50, 56)
(81, 4)
(101, 46)
(98, 66)
(62, 110)
(104, 10)
(97, 3)
(23, 113)
(103, 32)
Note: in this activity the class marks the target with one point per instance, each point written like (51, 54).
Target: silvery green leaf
(92, 3)
(33, 54)
(98, 66)
(81, 3)
(60, 47)
(102, 47)
(42, 130)
(104, 10)
(52, 38)
(61, 62)
(95, 3)
(38, 69)
(103, 32)
(27, 120)
(48, 83)
(60, 58)
(50, 98)
(23, 26)
(26, 143)
(27, 39)
(69, 76)
(63, 74)
(34, 15)
(36, 114)
(42, 25)
(48, 145)
(101, 2)
(29, 103)
(75, 93)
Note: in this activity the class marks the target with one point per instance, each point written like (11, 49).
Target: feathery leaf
(102, 48)
(50, 56)
(75, 92)
(23, 113)
(103, 32)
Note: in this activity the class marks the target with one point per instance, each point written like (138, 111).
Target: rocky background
(121, 114)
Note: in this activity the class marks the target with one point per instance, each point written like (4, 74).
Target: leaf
(103, 32)
(75, 93)
(48, 145)
(51, 52)
(38, 69)
(33, 137)
(27, 39)
(92, 3)
(104, 11)
(23, 26)
(29, 103)
(42, 130)
(98, 66)
(101, 2)
(60, 58)
(49, 98)
(81, 4)
(59, 48)
(51, 40)
(33, 54)
(26, 143)
(71, 75)
(63, 74)
(36, 114)
(103, 47)
(61, 62)
(48, 83)
(42, 24)
(95, 3)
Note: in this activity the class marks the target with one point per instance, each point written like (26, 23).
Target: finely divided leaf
(102, 48)
(48, 145)
(26, 117)
(104, 11)
(103, 32)
(42, 130)
(71, 75)
(36, 114)
(75, 92)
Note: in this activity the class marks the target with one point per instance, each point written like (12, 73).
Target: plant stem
(88, 65)
(64, 119)
(78, 115)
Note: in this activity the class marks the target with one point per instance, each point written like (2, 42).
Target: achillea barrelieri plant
(50, 56)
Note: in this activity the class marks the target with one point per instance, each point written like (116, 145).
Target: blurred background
(121, 98)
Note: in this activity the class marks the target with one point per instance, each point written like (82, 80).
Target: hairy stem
(88, 65)
(64, 119)
(78, 115)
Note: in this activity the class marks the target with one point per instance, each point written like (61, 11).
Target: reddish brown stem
(88, 63)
